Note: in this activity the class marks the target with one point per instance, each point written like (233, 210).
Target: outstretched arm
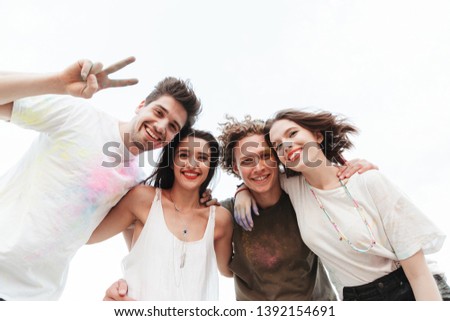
(81, 79)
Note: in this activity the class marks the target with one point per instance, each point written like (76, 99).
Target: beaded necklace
(336, 227)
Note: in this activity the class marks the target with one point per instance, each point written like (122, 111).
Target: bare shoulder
(141, 195)
(224, 218)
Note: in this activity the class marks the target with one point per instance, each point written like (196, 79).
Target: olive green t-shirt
(272, 263)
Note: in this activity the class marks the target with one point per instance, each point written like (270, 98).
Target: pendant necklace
(184, 232)
(336, 227)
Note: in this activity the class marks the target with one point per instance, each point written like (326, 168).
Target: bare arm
(81, 79)
(132, 207)
(421, 280)
(223, 233)
(6, 111)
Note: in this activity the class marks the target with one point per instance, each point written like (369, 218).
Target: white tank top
(153, 268)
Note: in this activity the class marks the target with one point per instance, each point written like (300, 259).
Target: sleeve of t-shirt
(228, 204)
(289, 184)
(47, 113)
(407, 228)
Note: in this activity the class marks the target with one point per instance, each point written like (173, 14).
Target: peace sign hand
(84, 78)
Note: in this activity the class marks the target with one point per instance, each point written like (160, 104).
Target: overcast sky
(383, 64)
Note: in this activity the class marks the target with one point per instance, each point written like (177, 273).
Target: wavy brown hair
(232, 132)
(335, 130)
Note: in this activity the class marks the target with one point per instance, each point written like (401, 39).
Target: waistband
(381, 283)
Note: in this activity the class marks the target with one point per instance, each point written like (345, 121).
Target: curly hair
(232, 132)
(334, 129)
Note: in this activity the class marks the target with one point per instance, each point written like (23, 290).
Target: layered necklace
(184, 232)
(360, 211)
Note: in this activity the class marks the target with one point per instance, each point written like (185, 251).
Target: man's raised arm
(81, 79)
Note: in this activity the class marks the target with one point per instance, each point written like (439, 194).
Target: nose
(260, 164)
(192, 162)
(161, 127)
(286, 148)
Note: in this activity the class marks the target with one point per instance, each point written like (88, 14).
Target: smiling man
(270, 262)
(56, 195)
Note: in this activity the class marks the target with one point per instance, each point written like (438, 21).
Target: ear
(140, 106)
(319, 137)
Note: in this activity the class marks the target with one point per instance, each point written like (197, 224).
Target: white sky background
(383, 64)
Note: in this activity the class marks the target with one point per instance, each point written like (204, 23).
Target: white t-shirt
(400, 228)
(154, 271)
(56, 195)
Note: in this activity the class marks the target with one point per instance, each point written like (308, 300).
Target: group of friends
(305, 224)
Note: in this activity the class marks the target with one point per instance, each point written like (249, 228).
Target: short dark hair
(232, 132)
(334, 129)
(181, 91)
(163, 175)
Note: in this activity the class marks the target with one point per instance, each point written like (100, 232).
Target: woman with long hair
(178, 244)
(371, 238)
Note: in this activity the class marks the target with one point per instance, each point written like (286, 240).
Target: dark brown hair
(232, 132)
(182, 92)
(334, 129)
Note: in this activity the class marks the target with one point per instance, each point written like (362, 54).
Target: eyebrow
(177, 124)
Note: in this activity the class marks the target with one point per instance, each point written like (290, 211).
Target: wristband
(244, 188)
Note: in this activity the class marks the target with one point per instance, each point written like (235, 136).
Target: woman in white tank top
(178, 244)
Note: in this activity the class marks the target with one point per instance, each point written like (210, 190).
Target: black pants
(391, 287)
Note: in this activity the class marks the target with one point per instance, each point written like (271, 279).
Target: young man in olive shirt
(270, 262)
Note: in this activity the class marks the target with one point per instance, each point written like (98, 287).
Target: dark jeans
(391, 287)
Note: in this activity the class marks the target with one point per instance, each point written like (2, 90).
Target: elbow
(92, 240)
(226, 273)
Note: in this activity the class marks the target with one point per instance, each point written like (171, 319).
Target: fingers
(122, 287)
(254, 208)
(123, 82)
(238, 219)
(86, 66)
(117, 292)
(241, 217)
(355, 166)
(96, 68)
(91, 87)
(212, 202)
(119, 65)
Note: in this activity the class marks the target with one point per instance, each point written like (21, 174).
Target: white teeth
(294, 155)
(260, 178)
(150, 133)
(190, 174)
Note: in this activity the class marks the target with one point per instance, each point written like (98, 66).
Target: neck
(267, 199)
(183, 198)
(323, 176)
(125, 130)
